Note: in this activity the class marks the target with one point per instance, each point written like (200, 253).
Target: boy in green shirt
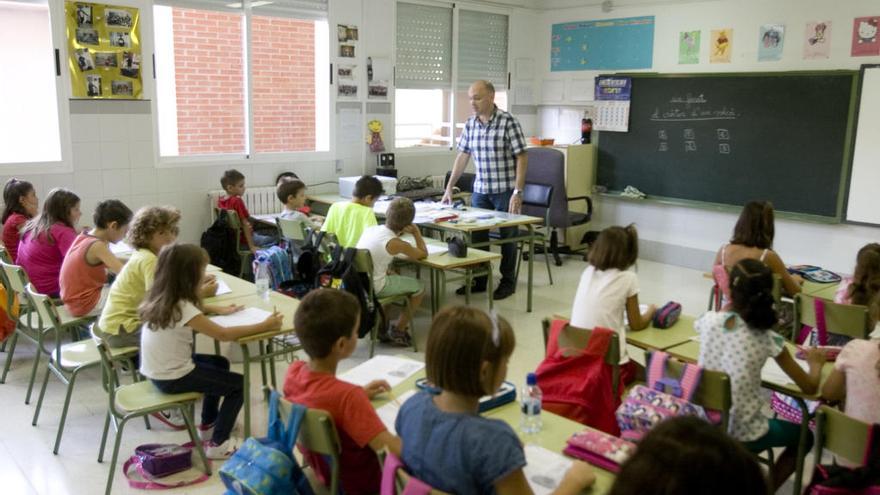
(348, 219)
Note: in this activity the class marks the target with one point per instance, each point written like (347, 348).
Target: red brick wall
(209, 70)
(283, 67)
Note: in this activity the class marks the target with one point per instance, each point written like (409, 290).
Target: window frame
(453, 87)
(249, 156)
(62, 97)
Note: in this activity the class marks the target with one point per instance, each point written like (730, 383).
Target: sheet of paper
(771, 372)
(222, 287)
(120, 247)
(350, 130)
(642, 309)
(544, 469)
(433, 247)
(247, 316)
(392, 369)
(388, 412)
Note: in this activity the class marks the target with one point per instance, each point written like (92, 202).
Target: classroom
(654, 155)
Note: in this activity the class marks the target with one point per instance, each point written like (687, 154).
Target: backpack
(279, 265)
(308, 261)
(266, 466)
(831, 479)
(341, 273)
(219, 242)
(664, 397)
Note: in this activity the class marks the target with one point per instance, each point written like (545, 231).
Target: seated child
(83, 279)
(234, 185)
(446, 443)
(46, 239)
(285, 176)
(152, 228)
(384, 243)
(739, 342)
(326, 323)
(688, 456)
(19, 205)
(292, 193)
(172, 310)
(348, 219)
(865, 282)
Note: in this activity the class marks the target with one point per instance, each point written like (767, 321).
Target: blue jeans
(498, 202)
(211, 377)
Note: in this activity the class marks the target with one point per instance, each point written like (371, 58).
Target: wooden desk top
(284, 304)
(656, 338)
(240, 289)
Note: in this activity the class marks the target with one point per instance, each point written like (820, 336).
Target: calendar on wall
(613, 95)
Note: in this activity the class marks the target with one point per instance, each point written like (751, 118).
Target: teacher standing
(495, 140)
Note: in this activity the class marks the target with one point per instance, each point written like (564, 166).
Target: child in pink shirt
(46, 239)
(19, 206)
(865, 282)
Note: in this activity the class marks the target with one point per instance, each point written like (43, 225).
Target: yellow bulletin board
(104, 51)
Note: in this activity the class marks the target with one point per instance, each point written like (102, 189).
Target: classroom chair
(317, 435)
(716, 293)
(291, 229)
(840, 434)
(243, 253)
(4, 257)
(363, 263)
(65, 360)
(536, 202)
(394, 474)
(136, 400)
(578, 338)
(851, 320)
(713, 392)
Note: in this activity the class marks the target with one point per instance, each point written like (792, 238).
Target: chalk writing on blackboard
(689, 107)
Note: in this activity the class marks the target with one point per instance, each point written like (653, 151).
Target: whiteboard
(863, 204)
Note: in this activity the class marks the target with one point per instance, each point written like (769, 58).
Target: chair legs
(554, 247)
(71, 382)
(546, 259)
(34, 368)
(13, 339)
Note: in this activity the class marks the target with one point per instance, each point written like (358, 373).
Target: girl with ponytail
(739, 342)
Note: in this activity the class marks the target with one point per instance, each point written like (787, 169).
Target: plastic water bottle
(530, 401)
(261, 277)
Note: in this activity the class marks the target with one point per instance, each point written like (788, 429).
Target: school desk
(498, 220)
(553, 436)
(240, 288)
(690, 352)
(662, 339)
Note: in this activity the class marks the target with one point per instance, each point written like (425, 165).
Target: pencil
(393, 398)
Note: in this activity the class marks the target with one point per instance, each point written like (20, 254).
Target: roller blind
(424, 46)
(482, 48)
(298, 9)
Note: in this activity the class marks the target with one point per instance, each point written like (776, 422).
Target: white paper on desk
(642, 309)
(433, 248)
(771, 372)
(247, 316)
(544, 469)
(392, 369)
(222, 287)
(388, 412)
(120, 247)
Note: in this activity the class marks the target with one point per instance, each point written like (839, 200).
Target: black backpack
(219, 242)
(308, 261)
(341, 273)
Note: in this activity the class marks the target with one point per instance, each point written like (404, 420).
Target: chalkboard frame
(855, 119)
(849, 142)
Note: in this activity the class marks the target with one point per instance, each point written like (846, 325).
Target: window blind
(424, 46)
(482, 48)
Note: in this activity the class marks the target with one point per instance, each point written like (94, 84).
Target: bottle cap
(531, 379)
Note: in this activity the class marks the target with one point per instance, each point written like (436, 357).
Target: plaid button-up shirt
(494, 146)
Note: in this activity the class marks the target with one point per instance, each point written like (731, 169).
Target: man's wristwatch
(518, 192)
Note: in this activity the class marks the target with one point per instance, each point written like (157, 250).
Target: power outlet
(339, 166)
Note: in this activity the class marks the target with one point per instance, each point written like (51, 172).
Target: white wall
(832, 246)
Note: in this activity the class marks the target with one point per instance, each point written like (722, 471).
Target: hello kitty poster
(866, 40)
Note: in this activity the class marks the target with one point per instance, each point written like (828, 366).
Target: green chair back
(842, 435)
(713, 392)
(16, 277)
(4, 255)
(318, 435)
(578, 338)
(851, 320)
(291, 229)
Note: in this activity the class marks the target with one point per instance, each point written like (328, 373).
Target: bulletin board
(104, 51)
(607, 44)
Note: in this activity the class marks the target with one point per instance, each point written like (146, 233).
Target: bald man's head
(482, 98)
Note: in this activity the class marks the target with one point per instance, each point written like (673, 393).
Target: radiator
(259, 201)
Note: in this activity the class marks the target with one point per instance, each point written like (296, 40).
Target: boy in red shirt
(234, 186)
(326, 323)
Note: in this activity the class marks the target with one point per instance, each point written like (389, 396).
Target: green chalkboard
(730, 138)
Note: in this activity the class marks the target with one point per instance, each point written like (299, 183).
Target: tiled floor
(27, 465)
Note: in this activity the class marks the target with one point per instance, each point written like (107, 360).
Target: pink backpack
(663, 397)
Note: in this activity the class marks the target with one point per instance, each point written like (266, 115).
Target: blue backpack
(266, 466)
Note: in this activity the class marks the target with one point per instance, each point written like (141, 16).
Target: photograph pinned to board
(346, 71)
(771, 38)
(347, 91)
(120, 39)
(93, 85)
(689, 47)
(106, 59)
(121, 88)
(118, 18)
(346, 51)
(84, 60)
(346, 33)
(722, 40)
(865, 40)
(131, 64)
(84, 15)
(378, 77)
(86, 36)
(817, 40)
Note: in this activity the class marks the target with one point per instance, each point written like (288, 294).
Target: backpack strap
(389, 472)
(821, 325)
(657, 367)
(690, 380)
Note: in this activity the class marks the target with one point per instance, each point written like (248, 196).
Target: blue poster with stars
(609, 44)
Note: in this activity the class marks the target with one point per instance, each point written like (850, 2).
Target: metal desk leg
(433, 293)
(441, 286)
(802, 443)
(531, 265)
(246, 360)
(270, 348)
(489, 284)
(260, 352)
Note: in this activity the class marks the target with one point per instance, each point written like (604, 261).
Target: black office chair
(465, 182)
(536, 202)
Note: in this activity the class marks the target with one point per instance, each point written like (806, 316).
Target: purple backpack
(155, 460)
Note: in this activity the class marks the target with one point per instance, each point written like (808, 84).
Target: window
(211, 104)
(431, 108)
(29, 127)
